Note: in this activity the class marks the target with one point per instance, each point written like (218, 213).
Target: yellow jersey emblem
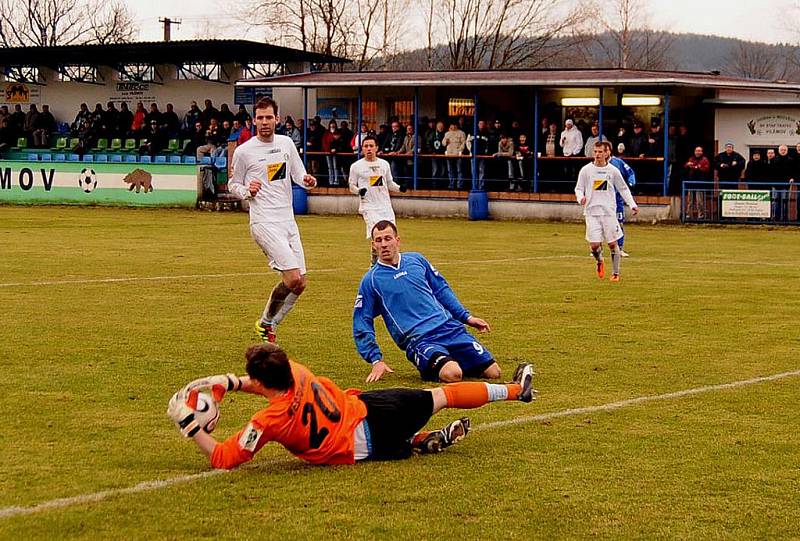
(276, 171)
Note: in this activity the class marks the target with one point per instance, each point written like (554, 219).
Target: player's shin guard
(275, 303)
(468, 395)
(616, 257)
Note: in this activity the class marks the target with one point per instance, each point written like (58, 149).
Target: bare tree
(111, 23)
(497, 33)
(628, 41)
(63, 22)
(366, 32)
(759, 61)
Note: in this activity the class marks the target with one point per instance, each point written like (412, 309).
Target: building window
(78, 73)
(22, 74)
(402, 109)
(369, 113)
(137, 72)
(205, 72)
(461, 107)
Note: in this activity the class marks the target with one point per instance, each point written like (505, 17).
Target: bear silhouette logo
(139, 179)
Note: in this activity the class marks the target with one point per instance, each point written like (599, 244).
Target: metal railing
(739, 202)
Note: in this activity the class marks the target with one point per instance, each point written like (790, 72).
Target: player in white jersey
(596, 190)
(371, 179)
(263, 170)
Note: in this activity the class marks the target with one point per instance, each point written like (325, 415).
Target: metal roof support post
(664, 134)
(474, 140)
(305, 128)
(600, 116)
(415, 141)
(536, 134)
(359, 121)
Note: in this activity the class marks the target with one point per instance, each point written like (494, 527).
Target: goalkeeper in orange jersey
(318, 422)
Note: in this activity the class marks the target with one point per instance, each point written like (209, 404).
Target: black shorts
(393, 417)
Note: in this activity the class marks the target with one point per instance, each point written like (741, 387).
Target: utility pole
(168, 26)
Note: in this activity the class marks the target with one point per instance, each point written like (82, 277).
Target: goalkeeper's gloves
(218, 385)
(182, 413)
(362, 192)
(403, 187)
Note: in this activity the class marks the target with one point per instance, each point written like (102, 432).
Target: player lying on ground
(423, 315)
(318, 422)
(596, 189)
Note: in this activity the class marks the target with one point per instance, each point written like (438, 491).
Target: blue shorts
(429, 352)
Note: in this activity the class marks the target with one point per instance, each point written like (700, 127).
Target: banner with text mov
(746, 203)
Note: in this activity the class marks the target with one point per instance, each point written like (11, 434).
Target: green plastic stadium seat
(130, 145)
(102, 145)
(174, 145)
(73, 143)
(116, 145)
(61, 144)
(22, 142)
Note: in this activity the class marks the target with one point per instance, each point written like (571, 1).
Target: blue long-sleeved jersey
(627, 175)
(413, 299)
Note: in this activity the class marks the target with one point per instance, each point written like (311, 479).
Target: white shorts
(371, 217)
(602, 229)
(280, 242)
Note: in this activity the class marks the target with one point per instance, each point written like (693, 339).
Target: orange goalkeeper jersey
(314, 420)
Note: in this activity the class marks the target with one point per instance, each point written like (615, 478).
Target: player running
(596, 189)
(263, 170)
(371, 179)
(423, 315)
(318, 422)
(630, 179)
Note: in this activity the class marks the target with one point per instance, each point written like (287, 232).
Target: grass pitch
(107, 312)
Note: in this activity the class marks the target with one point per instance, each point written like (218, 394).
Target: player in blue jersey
(423, 315)
(630, 179)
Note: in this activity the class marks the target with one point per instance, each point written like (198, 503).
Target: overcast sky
(765, 20)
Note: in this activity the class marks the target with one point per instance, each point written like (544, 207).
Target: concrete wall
(498, 209)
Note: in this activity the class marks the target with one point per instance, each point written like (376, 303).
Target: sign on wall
(14, 93)
(746, 203)
(333, 109)
(85, 183)
(132, 91)
(249, 95)
(777, 125)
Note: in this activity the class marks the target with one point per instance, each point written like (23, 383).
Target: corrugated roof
(544, 77)
(161, 52)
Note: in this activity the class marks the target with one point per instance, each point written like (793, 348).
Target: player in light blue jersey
(423, 315)
(629, 177)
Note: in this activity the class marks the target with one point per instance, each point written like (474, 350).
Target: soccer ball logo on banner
(87, 180)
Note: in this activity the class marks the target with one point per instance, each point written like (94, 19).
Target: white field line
(130, 279)
(60, 503)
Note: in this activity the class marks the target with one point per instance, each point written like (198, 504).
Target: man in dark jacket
(729, 164)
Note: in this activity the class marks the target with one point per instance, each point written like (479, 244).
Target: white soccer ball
(207, 412)
(87, 180)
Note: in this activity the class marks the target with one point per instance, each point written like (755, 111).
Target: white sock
(288, 304)
(497, 391)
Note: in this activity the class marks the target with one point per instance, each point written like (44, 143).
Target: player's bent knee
(451, 373)
(295, 282)
(493, 372)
